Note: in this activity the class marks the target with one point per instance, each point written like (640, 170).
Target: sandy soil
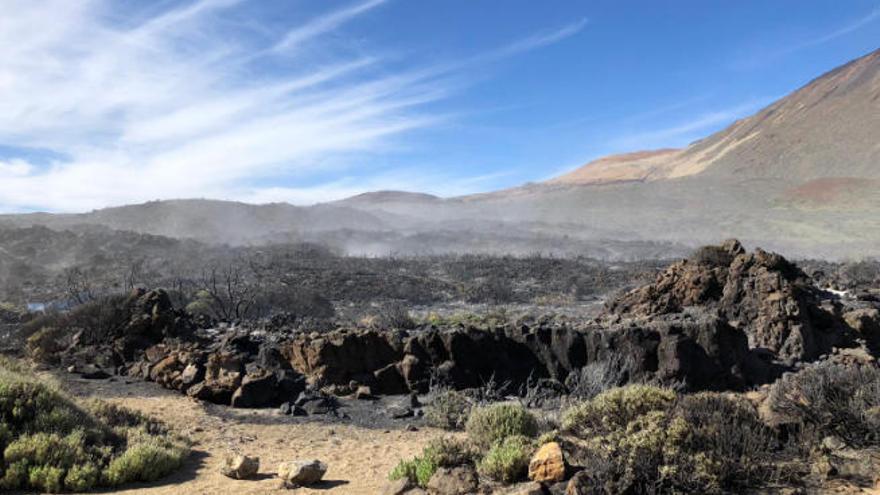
(359, 458)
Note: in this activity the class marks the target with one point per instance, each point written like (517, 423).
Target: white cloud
(173, 104)
(540, 40)
(682, 133)
(323, 24)
(767, 55)
(14, 168)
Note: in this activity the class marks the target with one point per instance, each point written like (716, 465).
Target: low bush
(508, 459)
(642, 439)
(490, 424)
(726, 443)
(51, 444)
(45, 344)
(145, 459)
(832, 399)
(443, 452)
(448, 410)
(599, 376)
(616, 408)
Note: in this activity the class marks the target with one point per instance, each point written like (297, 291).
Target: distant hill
(211, 221)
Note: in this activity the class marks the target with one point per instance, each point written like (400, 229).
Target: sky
(111, 102)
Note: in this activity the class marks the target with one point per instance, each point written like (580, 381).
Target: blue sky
(107, 102)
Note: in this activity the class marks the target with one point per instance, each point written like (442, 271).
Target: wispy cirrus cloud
(324, 24)
(179, 103)
(542, 39)
(683, 132)
(765, 55)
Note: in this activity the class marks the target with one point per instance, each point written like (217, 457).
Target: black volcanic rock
(761, 293)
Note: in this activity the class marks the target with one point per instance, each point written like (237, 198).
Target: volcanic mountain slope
(828, 128)
(800, 176)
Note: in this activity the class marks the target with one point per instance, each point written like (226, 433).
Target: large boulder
(240, 467)
(760, 293)
(460, 480)
(342, 356)
(223, 376)
(547, 464)
(258, 388)
(295, 474)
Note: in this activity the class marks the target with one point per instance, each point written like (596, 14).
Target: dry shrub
(642, 439)
(448, 410)
(599, 376)
(832, 399)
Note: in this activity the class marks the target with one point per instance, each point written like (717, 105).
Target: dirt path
(359, 458)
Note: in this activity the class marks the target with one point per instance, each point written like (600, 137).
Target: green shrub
(490, 424)
(547, 437)
(51, 444)
(616, 408)
(508, 459)
(148, 459)
(417, 470)
(442, 452)
(81, 477)
(46, 478)
(448, 410)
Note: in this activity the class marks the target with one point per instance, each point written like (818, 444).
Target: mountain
(828, 128)
(801, 176)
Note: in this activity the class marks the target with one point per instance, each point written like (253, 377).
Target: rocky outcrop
(459, 480)
(760, 293)
(697, 349)
(235, 372)
(722, 319)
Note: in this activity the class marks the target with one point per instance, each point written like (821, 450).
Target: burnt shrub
(599, 376)
(492, 290)
(393, 315)
(642, 439)
(830, 398)
(449, 410)
(727, 445)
